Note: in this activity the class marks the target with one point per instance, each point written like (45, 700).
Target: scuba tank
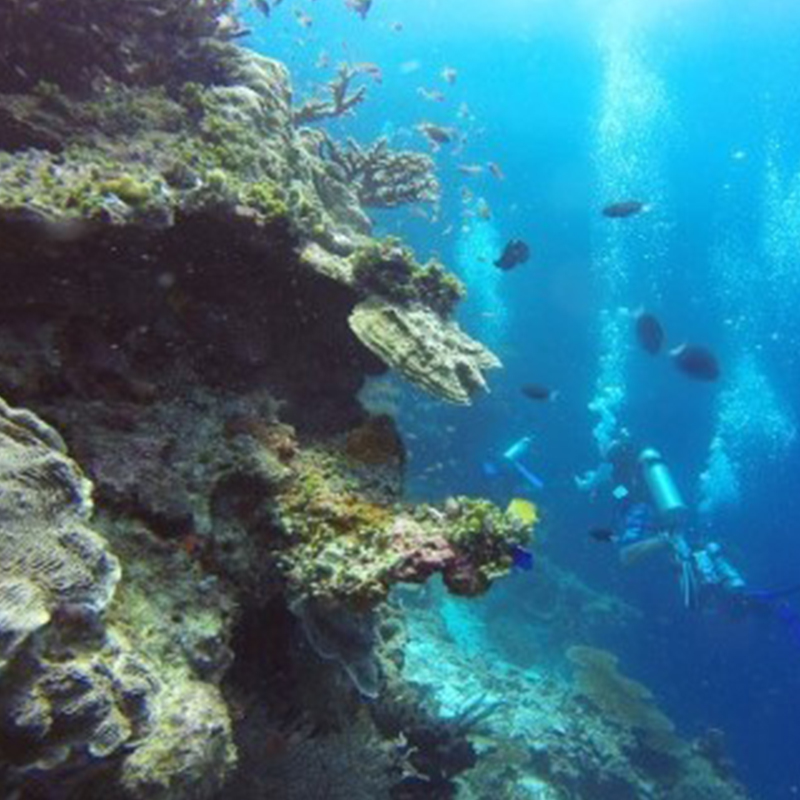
(672, 511)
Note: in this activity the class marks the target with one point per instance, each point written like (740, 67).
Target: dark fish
(626, 208)
(696, 361)
(602, 534)
(521, 558)
(535, 391)
(436, 134)
(515, 252)
(649, 332)
(361, 7)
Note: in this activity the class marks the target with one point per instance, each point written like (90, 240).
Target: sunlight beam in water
(754, 428)
(634, 114)
(477, 247)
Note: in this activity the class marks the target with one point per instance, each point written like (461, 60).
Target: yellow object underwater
(524, 511)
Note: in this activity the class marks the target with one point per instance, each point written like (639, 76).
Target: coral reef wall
(201, 525)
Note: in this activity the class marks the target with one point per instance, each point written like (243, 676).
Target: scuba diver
(511, 463)
(655, 518)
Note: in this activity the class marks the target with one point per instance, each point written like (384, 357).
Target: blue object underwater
(522, 558)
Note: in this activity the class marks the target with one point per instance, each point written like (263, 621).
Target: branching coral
(341, 102)
(384, 178)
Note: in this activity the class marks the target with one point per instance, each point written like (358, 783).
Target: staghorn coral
(225, 156)
(384, 178)
(342, 101)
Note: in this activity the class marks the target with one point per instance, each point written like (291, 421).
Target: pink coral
(420, 554)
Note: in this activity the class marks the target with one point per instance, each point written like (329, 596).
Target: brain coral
(50, 560)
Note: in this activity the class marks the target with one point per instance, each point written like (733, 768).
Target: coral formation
(52, 563)
(193, 300)
(434, 354)
(625, 701)
(388, 269)
(550, 742)
(384, 178)
(78, 692)
(350, 539)
(116, 41)
(342, 100)
(134, 159)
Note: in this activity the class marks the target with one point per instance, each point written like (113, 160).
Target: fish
(303, 19)
(696, 361)
(436, 134)
(515, 252)
(523, 511)
(469, 169)
(521, 557)
(602, 534)
(407, 67)
(396, 26)
(625, 208)
(449, 75)
(371, 69)
(649, 332)
(536, 391)
(496, 171)
(483, 210)
(361, 7)
(432, 95)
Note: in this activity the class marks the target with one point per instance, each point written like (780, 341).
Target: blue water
(694, 107)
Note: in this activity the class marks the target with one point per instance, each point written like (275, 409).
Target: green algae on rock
(348, 545)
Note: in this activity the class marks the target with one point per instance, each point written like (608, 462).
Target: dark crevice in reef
(229, 312)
